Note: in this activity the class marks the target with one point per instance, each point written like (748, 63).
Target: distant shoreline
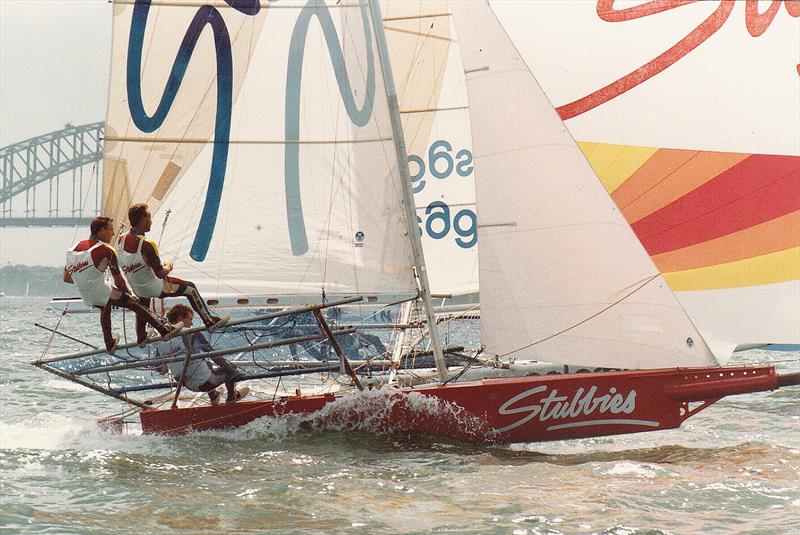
(37, 281)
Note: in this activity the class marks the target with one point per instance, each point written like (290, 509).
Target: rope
(559, 333)
(53, 334)
(92, 177)
(164, 225)
(467, 367)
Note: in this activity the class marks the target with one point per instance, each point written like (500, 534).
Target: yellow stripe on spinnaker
(614, 164)
(765, 269)
(588, 148)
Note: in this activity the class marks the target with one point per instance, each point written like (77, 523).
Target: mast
(408, 196)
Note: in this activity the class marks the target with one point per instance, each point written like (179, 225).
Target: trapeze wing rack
(261, 317)
(211, 354)
(296, 370)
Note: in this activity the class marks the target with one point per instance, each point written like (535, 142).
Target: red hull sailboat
(525, 409)
(563, 278)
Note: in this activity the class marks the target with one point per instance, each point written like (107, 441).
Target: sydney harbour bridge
(54, 179)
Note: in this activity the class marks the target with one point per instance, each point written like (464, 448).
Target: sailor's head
(180, 314)
(139, 217)
(102, 228)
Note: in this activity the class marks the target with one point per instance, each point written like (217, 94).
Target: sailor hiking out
(86, 265)
(149, 278)
(201, 375)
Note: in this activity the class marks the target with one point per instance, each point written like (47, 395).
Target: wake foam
(45, 432)
(52, 432)
(384, 411)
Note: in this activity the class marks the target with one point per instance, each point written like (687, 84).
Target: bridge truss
(53, 179)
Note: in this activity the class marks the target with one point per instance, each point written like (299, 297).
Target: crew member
(201, 375)
(87, 262)
(149, 277)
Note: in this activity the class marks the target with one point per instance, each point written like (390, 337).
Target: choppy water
(734, 468)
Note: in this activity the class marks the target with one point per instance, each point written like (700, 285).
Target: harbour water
(734, 468)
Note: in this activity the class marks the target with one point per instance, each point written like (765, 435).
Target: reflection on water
(731, 469)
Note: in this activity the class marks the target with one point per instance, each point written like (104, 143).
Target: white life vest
(141, 277)
(92, 284)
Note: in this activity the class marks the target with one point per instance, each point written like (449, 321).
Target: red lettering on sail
(757, 23)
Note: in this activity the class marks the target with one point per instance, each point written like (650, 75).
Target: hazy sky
(54, 54)
(54, 63)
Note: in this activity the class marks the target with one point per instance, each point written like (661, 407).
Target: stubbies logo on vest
(136, 266)
(553, 407)
(80, 266)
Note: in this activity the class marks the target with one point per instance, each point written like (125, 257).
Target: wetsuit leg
(143, 313)
(105, 324)
(141, 321)
(174, 287)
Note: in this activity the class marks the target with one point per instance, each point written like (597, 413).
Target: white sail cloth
(263, 131)
(708, 78)
(432, 94)
(563, 278)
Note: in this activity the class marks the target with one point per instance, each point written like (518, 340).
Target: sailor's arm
(222, 363)
(151, 257)
(119, 280)
(201, 345)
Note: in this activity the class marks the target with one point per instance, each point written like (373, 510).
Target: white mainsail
(563, 277)
(427, 67)
(284, 105)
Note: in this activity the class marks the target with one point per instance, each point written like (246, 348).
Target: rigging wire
(53, 334)
(245, 334)
(92, 178)
(615, 303)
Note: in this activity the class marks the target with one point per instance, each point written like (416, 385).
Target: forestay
(262, 129)
(432, 93)
(563, 277)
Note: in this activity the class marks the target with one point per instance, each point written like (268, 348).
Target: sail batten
(270, 4)
(436, 110)
(251, 141)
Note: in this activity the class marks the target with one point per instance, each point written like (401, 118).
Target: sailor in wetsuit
(87, 262)
(201, 375)
(149, 278)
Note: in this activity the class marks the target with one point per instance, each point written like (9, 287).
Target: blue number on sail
(359, 117)
(205, 15)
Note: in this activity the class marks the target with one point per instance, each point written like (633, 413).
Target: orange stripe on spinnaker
(668, 178)
(770, 268)
(768, 237)
(758, 189)
(660, 165)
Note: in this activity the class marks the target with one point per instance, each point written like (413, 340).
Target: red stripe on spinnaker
(758, 189)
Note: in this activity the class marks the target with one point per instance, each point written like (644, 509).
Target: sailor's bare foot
(214, 395)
